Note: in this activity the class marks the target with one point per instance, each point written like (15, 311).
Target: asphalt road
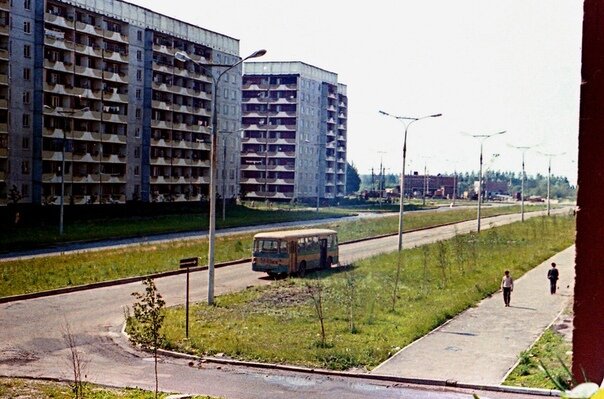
(32, 344)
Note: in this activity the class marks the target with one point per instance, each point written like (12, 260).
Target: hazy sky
(485, 65)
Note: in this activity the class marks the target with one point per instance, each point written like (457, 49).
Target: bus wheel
(302, 269)
(272, 274)
(329, 262)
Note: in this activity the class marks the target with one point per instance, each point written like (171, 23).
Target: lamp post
(486, 176)
(523, 149)
(67, 114)
(454, 180)
(483, 138)
(549, 175)
(406, 121)
(183, 57)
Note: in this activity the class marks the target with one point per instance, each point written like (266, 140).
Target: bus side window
(283, 246)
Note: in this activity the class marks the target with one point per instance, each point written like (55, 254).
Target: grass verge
(45, 273)
(554, 350)
(365, 322)
(23, 238)
(23, 388)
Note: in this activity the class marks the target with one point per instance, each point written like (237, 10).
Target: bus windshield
(266, 246)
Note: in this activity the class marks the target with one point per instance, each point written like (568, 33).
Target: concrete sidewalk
(483, 343)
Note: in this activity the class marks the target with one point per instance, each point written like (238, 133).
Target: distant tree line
(533, 185)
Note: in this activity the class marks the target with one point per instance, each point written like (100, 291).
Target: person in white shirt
(507, 285)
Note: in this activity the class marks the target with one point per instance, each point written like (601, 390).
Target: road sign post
(188, 263)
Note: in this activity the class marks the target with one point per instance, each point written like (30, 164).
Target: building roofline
(280, 68)
(92, 6)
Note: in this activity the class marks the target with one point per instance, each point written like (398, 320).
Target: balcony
(86, 178)
(59, 43)
(3, 103)
(3, 54)
(87, 157)
(53, 133)
(160, 48)
(84, 71)
(87, 93)
(4, 29)
(115, 56)
(89, 29)
(156, 124)
(5, 5)
(51, 155)
(84, 136)
(160, 180)
(199, 180)
(115, 97)
(115, 118)
(87, 50)
(163, 68)
(200, 163)
(113, 178)
(115, 77)
(64, 22)
(160, 142)
(115, 36)
(54, 178)
(3, 128)
(113, 138)
(159, 161)
(341, 127)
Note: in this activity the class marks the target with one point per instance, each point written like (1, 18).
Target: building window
(26, 73)
(26, 97)
(27, 27)
(25, 167)
(139, 55)
(137, 132)
(138, 94)
(25, 143)
(139, 35)
(27, 4)
(136, 171)
(138, 113)
(25, 190)
(139, 75)
(26, 51)
(25, 120)
(137, 152)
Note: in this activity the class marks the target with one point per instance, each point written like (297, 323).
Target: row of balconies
(69, 90)
(58, 133)
(97, 116)
(4, 30)
(69, 23)
(84, 178)
(168, 50)
(183, 91)
(271, 154)
(258, 140)
(168, 125)
(183, 144)
(86, 199)
(274, 114)
(180, 108)
(259, 167)
(266, 181)
(92, 51)
(5, 5)
(268, 127)
(265, 87)
(270, 194)
(162, 161)
(176, 71)
(176, 197)
(179, 180)
(4, 54)
(262, 100)
(87, 157)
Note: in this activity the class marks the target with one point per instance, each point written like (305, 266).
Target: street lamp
(549, 175)
(183, 57)
(483, 138)
(66, 114)
(523, 149)
(406, 121)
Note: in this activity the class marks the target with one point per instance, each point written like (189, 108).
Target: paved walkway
(482, 344)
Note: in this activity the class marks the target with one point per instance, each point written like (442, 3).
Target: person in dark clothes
(507, 285)
(552, 276)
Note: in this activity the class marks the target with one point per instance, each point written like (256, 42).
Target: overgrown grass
(549, 349)
(39, 274)
(278, 323)
(21, 388)
(33, 237)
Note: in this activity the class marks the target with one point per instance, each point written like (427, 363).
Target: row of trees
(533, 185)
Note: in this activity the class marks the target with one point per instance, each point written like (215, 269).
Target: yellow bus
(294, 251)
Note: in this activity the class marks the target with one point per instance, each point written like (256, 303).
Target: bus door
(293, 256)
(323, 250)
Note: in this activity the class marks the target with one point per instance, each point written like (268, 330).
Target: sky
(486, 65)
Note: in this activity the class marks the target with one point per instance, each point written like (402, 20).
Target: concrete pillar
(588, 342)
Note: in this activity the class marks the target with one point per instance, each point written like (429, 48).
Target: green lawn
(11, 388)
(364, 325)
(40, 274)
(33, 237)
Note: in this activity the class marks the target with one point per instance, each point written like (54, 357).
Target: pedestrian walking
(507, 285)
(552, 276)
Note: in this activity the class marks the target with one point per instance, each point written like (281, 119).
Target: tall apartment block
(294, 117)
(94, 88)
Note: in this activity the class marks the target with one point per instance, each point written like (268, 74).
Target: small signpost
(188, 263)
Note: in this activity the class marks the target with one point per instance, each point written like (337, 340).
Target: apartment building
(294, 117)
(95, 106)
